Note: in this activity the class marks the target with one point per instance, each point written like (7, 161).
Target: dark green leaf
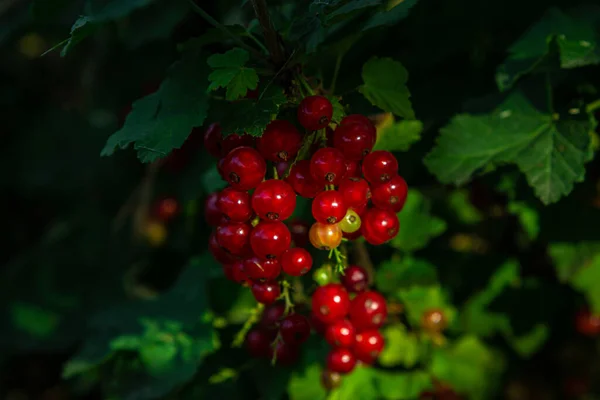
(34, 320)
(385, 86)
(352, 6)
(390, 17)
(163, 120)
(230, 72)
(408, 271)
(550, 153)
(417, 225)
(338, 109)
(81, 29)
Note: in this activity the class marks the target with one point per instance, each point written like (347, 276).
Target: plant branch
(271, 36)
(593, 106)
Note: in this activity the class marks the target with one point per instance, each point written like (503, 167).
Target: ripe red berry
(302, 181)
(244, 168)
(270, 239)
(266, 292)
(238, 273)
(340, 333)
(379, 226)
(353, 169)
(587, 323)
(315, 112)
(329, 207)
(166, 209)
(379, 166)
(274, 200)
(355, 279)
(317, 325)
(228, 271)
(368, 345)
(235, 204)
(356, 192)
(272, 316)
(341, 360)
(299, 230)
(295, 329)
(368, 310)
(296, 261)
(286, 354)
(219, 254)
(234, 141)
(213, 140)
(390, 195)
(330, 303)
(328, 166)
(355, 141)
(212, 214)
(233, 237)
(257, 268)
(280, 141)
(358, 119)
(258, 343)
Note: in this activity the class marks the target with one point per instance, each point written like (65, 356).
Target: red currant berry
(233, 237)
(368, 345)
(587, 323)
(262, 269)
(234, 141)
(218, 253)
(356, 192)
(355, 141)
(329, 207)
(295, 329)
(328, 166)
(341, 360)
(330, 303)
(212, 214)
(286, 354)
(302, 181)
(296, 261)
(283, 168)
(235, 204)
(228, 271)
(379, 166)
(258, 343)
(317, 325)
(315, 112)
(244, 168)
(328, 136)
(239, 273)
(325, 236)
(280, 141)
(272, 316)
(270, 239)
(213, 140)
(340, 333)
(353, 169)
(379, 226)
(266, 292)
(368, 310)
(166, 209)
(390, 195)
(274, 200)
(360, 119)
(299, 230)
(355, 279)
(352, 235)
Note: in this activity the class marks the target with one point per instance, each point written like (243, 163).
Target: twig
(362, 258)
(271, 36)
(593, 106)
(252, 319)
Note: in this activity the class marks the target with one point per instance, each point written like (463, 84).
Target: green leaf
(385, 86)
(417, 225)
(401, 347)
(252, 116)
(577, 41)
(419, 299)
(390, 17)
(306, 384)
(359, 384)
(469, 366)
(163, 120)
(338, 109)
(462, 208)
(550, 153)
(398, 136)
(81, 29)
(230, 72)
(529, 343)
(353, 6)
(579, 265)
(528, 217)
(34, 320)
(408, 271)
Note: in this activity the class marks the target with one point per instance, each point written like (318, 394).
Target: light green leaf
(401, 347)
(385, 86)
(408, 271)
(417, 225)
(419, 299)
(461, 206)
(34, 320)
(398, 136)
(528, 217)
(550, 153)
(402, 385)
(469, 366)
(230, 72)
(163, 120)
(577, 41)
(530, 342)
(338, 109)
(359, 384)
(306, 384)
(158, 356)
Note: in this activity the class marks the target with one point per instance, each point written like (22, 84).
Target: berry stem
(304, 84)
(255, 221)
(593, 106)
(275, 174)
(252, 319)
(285, 295)
(336, 71)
